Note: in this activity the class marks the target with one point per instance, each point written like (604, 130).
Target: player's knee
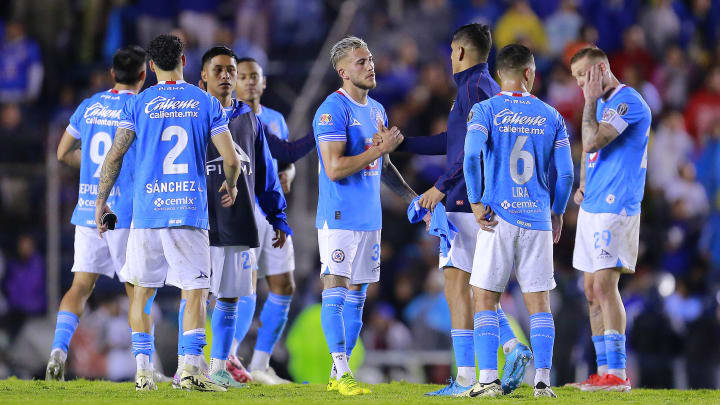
(284, 285)
(602, 289)
(83, 286)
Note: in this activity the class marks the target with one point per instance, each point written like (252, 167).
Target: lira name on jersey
(173, 122)
(94, 123)
(351, 203)
(517, 135)
(615, 175)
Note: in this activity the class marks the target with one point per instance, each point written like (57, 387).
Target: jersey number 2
(169, 165)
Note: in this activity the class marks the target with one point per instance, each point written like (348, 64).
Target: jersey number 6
(528, 162)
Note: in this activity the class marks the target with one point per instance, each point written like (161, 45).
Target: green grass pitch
(81, 392)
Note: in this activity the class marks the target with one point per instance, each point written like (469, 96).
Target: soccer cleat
(55, 370)
(144, 381)
(491, 389)
(590, 381)
(332, 384)
(514, 369)
(450, 390)
(237, 370)
(542, 390)
(347, 385)
(176, 381)
(268, 377)
(224, 379)
(192, 379)
(609, 382)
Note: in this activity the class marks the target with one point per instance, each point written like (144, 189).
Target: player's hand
(390, 139)
(286, 178)
(593, 84)
(279, 239)
(557, 223)
(484, 216)
(579, 195)
(99, 211)
(228, 199)
(430, 198)
(377, 139)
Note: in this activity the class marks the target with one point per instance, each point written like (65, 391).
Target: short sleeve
(75, 123)
(284, 131)
(330, 123)
(624, 110)
(127, 116)
(219, 120)
(478, 121)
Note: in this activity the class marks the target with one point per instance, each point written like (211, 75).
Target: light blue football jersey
(615, 175)
(173, 122)
(518, 136)
(94, 123)
(352, 203)
(273, 123)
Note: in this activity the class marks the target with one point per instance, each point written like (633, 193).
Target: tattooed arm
(392, 178)
(69, 151)
(110, 171)
(595, 135)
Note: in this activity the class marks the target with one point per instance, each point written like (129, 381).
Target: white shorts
(272, 261)
(606, 241)
(181, 255)
(351, 254)
(462, 247)
(231, 270)
(104, 256)
(528, 251)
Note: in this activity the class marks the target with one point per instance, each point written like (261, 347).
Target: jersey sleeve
(75, 123)
(330, 123)
(219, 120)
(127, 116)
(479, 120)
(563, 166)
(624, 110)
(267, 185)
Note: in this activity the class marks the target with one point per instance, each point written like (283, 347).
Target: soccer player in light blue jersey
(84, 145)
(170, 124)
(518, 137)
(349, 216)
(615, 131)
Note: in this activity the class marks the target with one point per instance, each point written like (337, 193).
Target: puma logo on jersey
(355, 123)
(241, 154)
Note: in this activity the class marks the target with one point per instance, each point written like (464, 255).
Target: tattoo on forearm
(589, 122)
(113, 162)
(393, 179)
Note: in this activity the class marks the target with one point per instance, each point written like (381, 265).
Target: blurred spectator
(24, 283)
(19, 143)
(477, 11)
(689, 192)
(566, 96)
(611, 18)
(633, 78)
(429, 315)
(520, 24)
(251, 23)
(21, 69)
(121, 29)
(672, 77)
(198, 19)
(704, 105)
(661, 25)
(563, 26)
(634, 53)
(588, 37)
(155, 18)
(671, 146)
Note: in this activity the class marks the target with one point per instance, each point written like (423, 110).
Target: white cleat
(268, 377)
(55, 370)
(144, 381)
(542, 390)
(490, 390)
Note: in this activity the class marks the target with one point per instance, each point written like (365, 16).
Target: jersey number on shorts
(169, 165)
(528, 162)
(604, 236)
(95, 155)
(376, 252)
(245, 260)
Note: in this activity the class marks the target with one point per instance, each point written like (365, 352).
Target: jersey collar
(614, 92)
(172, 82)
(344, 93)
(515, 94)
(465, 75)
(113, 91)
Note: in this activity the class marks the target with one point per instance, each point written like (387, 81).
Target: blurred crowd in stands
(53, 54)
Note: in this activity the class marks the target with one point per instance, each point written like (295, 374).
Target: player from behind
(276, 263)
(84, 144)
(349, 217)
(170, 124)
(518, 136)
(233, 230)
(470, 49)
(615, 130)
